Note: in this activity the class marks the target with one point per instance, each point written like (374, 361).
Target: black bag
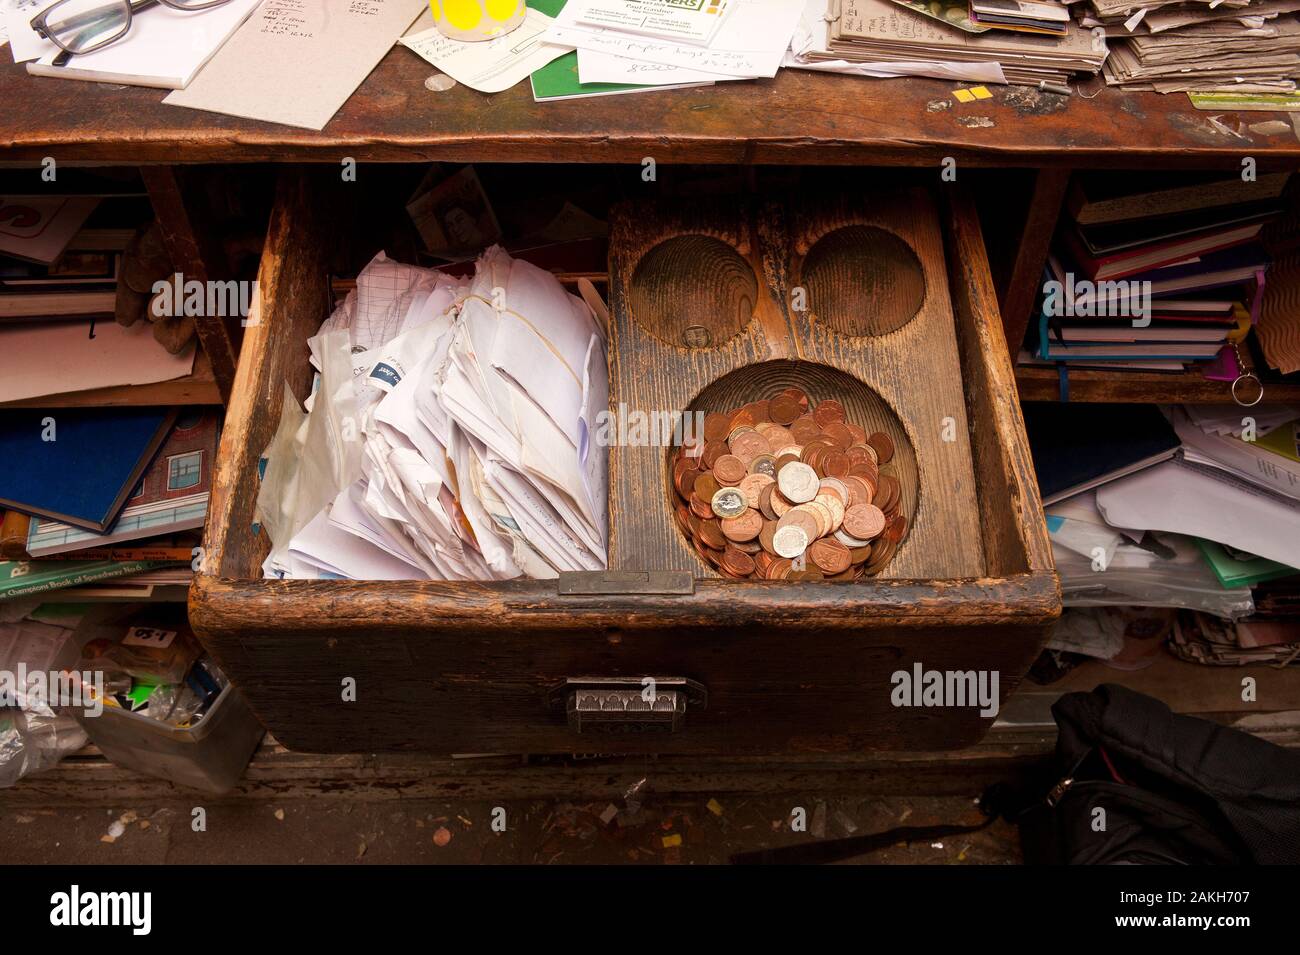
(1170, 789)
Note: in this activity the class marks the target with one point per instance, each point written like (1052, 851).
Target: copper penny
(749, 445)
(779, 569)
(743, 528)
(765, 536)
(737, 561)
(751, 485)
(717, 427)
(760, 410)
(712, 451)
(883, 445)
(839, 433)
(864, 521)
(701, 508)
(803, 519)
(882, 552)
(805, 429)
(835, 464)
(729, 470)
(896, 528)
(705, 486)
(830, 555)
(711, 534)
(765, 501)
(684, 477)
(828, 411)
(888, 492)
(784, 409)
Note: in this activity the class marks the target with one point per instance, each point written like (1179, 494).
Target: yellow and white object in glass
(477, 19)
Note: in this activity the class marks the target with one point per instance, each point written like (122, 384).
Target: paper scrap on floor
(751, 42)
(488, 66)
(296, 61)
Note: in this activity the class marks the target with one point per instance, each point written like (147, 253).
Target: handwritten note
(297, 61)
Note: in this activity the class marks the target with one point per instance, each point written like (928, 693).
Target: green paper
(139, 694)
(558, 79)
(1234, 573)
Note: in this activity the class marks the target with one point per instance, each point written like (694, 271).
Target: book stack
(108, 502)
(1152, 273)
(60, 247)
(1204, 46)
(68, 259)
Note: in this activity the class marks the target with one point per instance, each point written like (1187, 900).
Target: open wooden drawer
(738, 666)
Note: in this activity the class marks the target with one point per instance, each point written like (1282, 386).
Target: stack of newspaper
(1022, 44)
(448, 434)
(1243, 46)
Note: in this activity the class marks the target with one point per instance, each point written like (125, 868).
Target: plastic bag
(1168, 570)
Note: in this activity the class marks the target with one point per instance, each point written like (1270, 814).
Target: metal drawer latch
(628, 705)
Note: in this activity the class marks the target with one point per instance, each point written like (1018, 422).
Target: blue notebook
(86, 473)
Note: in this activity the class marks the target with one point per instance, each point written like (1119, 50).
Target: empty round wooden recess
(749, 392)
(863, 281)
(693, 291)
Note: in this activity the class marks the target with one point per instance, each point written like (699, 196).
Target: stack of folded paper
(884, 32)
(447, 436)
(1246, 46)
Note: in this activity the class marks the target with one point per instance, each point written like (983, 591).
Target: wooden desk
(798, 118)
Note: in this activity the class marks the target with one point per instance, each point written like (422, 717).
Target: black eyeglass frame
(40, 22)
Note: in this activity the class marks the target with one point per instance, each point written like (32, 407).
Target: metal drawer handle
(618, 706)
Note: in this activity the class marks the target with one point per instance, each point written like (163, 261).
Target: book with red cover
(1148, 257)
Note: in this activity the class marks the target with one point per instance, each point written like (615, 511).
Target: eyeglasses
(83, 26)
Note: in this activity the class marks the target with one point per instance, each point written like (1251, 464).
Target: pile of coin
(782, 489)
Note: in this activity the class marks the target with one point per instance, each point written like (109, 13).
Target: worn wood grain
(1024, 281)
(293, 298)
(883, 273)
(1037, 383)
(798, 117)
(1011, 510)
(469, 666)
(191, 242)
(669, 340)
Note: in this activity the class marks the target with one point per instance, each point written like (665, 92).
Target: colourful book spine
(19, 578)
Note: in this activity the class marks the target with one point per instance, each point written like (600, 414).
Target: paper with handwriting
(297, 61)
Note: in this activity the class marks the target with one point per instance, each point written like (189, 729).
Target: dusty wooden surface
(798, 117)
(456, 667)
(1014, 530)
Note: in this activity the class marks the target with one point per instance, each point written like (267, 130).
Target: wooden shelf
(1189, 387)
(799, 117)
(197, 388)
